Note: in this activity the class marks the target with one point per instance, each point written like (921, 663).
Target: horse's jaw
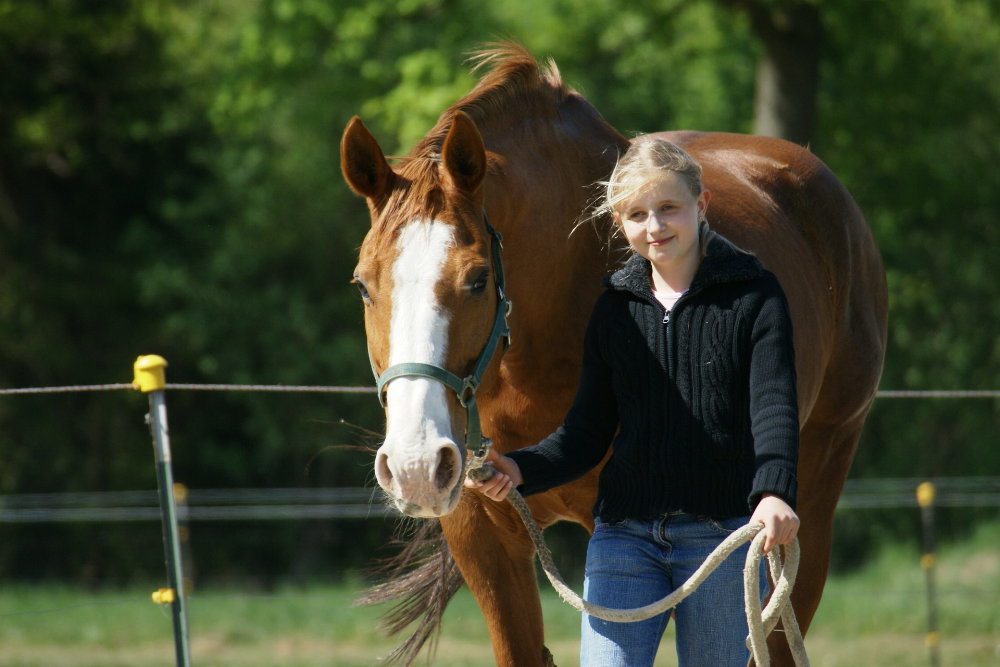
(430, 509)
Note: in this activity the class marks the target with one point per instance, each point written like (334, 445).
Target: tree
(788, 76)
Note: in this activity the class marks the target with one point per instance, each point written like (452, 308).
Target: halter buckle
(468, 394)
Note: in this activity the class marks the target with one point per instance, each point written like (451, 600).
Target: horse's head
(430, 277)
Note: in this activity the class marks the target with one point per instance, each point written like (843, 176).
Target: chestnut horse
(519, 154)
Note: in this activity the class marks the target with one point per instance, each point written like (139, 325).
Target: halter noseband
(465, 388)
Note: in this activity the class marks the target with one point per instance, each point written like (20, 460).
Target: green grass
(874, 617)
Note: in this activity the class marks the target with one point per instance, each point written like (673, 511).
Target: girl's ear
(703, 200)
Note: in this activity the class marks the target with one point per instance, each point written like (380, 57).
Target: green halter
(464, 388)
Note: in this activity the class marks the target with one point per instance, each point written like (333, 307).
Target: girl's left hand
(781, 523)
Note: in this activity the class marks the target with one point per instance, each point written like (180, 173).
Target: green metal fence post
(925, 498)
(150, 379)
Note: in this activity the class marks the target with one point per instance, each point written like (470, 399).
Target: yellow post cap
(180, 492)
(925, 494)
(148, 373)
(163, 596)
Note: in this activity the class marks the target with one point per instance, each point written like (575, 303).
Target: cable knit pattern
(698, 407)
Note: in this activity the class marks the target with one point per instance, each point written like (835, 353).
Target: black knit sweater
(698, 404)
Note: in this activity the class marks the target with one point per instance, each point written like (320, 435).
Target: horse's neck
(553, 264)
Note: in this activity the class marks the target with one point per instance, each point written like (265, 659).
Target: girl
(688, 376)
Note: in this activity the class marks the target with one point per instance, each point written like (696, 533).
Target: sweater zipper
(666, 326)
(666, 336)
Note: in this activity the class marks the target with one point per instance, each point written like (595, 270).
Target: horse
(485, 211)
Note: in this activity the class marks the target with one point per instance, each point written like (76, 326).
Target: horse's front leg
(495, 556)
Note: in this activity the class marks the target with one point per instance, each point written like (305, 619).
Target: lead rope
(760, 622)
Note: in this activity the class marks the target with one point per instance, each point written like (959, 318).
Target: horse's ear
(463, 154)
(363, 163)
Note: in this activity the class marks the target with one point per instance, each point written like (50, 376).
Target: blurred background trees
(169, 183)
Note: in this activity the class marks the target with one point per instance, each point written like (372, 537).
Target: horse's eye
(363, 290)
(480, 283)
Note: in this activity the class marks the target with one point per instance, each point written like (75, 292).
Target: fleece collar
(723, 263)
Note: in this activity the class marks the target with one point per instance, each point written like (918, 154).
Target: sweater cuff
(532, 467)
(774, 480)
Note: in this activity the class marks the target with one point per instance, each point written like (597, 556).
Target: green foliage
(648, 66)
(908, 122)
(96, 136)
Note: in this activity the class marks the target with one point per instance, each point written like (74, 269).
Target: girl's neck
(674, 279)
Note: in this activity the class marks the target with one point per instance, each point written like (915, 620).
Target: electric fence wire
(888, 393)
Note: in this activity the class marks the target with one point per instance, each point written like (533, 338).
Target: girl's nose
(654, 221)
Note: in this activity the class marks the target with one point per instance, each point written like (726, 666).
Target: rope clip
(479, 456)
(478, 470)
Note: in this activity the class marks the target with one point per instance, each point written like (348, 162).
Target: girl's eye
(636, 215)
(363, 290)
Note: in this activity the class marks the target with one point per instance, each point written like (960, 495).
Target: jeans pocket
(601, 525)
(726, 527)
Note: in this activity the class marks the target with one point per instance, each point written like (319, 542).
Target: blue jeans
(634, 563)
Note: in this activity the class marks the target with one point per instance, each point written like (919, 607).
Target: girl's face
(661, 222)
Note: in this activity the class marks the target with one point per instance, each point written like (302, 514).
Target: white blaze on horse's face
(419, 463)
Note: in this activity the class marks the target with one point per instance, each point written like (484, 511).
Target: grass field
(876, 617)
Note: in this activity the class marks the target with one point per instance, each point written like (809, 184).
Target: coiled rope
(760, 622)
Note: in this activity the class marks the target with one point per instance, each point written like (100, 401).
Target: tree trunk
(791, 36)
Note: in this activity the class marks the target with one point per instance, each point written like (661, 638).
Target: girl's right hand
(506, 475)
(781, 523)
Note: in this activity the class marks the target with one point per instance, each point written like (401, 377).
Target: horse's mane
(513, 78)
(513, 87)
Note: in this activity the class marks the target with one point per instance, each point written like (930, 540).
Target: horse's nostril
(382, 472)
(447, 469)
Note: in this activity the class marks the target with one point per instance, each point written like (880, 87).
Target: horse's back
(783, 203)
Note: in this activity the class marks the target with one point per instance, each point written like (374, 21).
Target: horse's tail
(419, 580)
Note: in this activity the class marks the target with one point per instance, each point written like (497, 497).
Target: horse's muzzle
(421, 482)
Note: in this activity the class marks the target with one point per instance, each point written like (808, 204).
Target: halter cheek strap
(465, 388)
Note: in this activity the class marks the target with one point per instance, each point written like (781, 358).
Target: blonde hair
(646, 162)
